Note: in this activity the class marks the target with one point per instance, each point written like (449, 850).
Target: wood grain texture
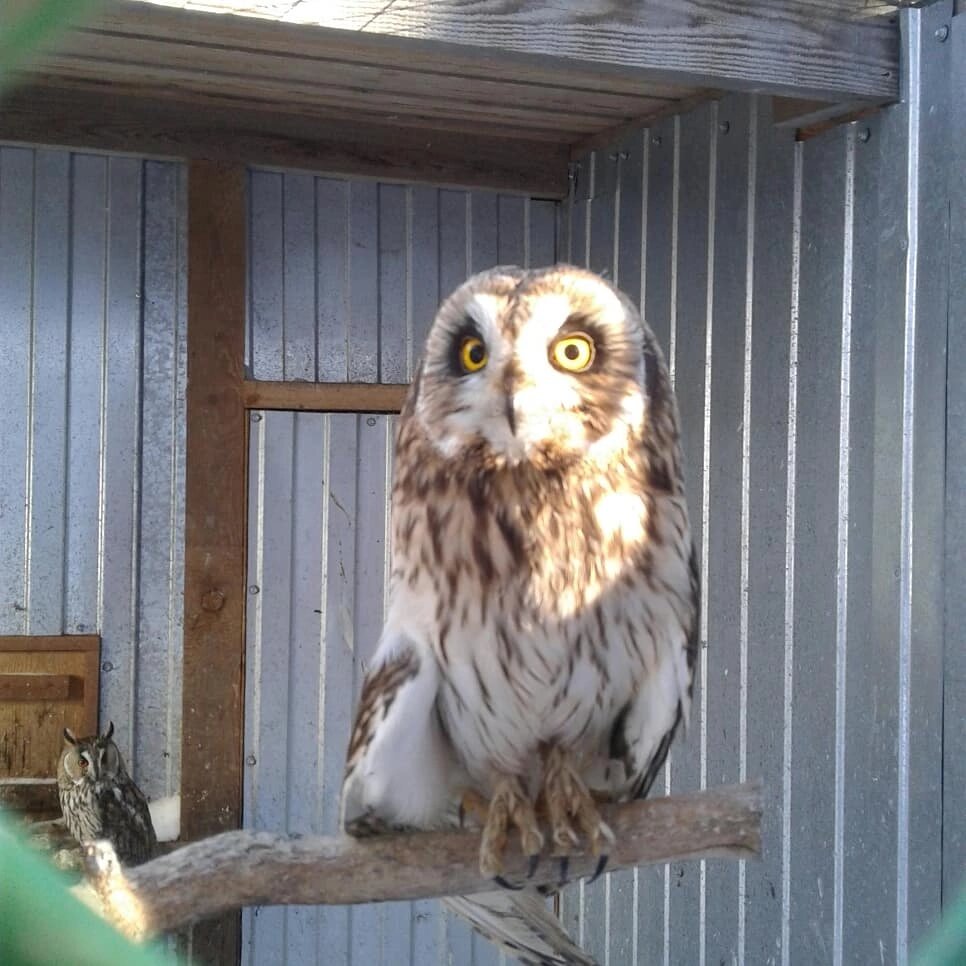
(240, 869)
(820, 48)
(50, 642)
(36, 797)
(107, 117)
(34, 686)
(831, 49)
(816, 115)
(47, 683)
(333, 48)
(215, 521)
(318, 397)
(395, 85)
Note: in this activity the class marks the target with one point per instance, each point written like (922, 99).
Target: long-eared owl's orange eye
(472, 354)
(574, 352)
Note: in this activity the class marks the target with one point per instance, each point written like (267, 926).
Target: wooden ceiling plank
(146, 126)
(136, 19)
(207, 58)
(260, 112)
(289, 95)
(806, 48)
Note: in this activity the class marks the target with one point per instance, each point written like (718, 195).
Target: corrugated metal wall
(92, 354)
(800, 290)
(346, 276)
(345, 279)
(803, 293)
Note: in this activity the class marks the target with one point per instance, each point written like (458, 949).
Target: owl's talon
(564, 868)
(508, 806)
(505, 884)
(532, 865)
(599, 871)
(570, 803)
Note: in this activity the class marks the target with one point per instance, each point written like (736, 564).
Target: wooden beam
(793, 112)
(827, 49)
(320, 397)
(105, 117)
(26, 686)
(447, 68)
(215, 523)
(51, 642)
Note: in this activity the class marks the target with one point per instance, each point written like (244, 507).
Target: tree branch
(237, 869)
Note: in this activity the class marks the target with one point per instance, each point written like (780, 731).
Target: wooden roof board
(223, 86)
(829, 49)
(96, 116)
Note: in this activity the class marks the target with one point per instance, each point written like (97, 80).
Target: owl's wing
(645, 727)
(521, 923)
(401, 772)
(127, 820)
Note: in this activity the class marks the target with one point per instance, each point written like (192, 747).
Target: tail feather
(521, 923)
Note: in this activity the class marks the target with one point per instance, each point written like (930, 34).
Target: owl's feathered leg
(569, 802)
(509, 805)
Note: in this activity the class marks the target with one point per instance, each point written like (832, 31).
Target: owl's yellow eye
(573, 353)
(472, 354)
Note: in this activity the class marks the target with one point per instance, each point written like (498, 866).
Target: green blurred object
(946, 946)
(25, 25)
(42, 924)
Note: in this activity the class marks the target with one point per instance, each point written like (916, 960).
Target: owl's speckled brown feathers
(544, 592)
(99, 799)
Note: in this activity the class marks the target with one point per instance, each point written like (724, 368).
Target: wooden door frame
(218, 400)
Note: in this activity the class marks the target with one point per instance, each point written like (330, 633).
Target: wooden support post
(214, 593)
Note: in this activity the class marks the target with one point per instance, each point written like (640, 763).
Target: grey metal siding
(92, 369)
(345, 276)
(954, 676)
(800, 293)
(318, 544)
(804, 294)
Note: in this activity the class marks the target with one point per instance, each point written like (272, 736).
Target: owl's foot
(571, 809)
(508, 807)
(474, 805)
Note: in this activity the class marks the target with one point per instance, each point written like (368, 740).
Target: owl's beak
(510, 380)
(511, 416)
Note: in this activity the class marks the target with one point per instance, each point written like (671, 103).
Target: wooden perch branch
(237, 869)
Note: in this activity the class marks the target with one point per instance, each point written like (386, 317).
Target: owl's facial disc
(542, 369)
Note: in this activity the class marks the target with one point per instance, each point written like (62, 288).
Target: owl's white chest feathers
(545, 624)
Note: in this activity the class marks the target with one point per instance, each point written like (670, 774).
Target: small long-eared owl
(538, 653)
(99, 799)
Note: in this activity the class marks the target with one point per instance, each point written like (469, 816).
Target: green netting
(946, 946)
(42, 924)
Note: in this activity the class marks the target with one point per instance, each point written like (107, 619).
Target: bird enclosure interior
(210, 309)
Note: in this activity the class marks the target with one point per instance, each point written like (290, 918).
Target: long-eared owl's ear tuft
(110, 731)
(70, 737)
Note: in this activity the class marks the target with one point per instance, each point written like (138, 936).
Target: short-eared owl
(539, 649)
(99, 798)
